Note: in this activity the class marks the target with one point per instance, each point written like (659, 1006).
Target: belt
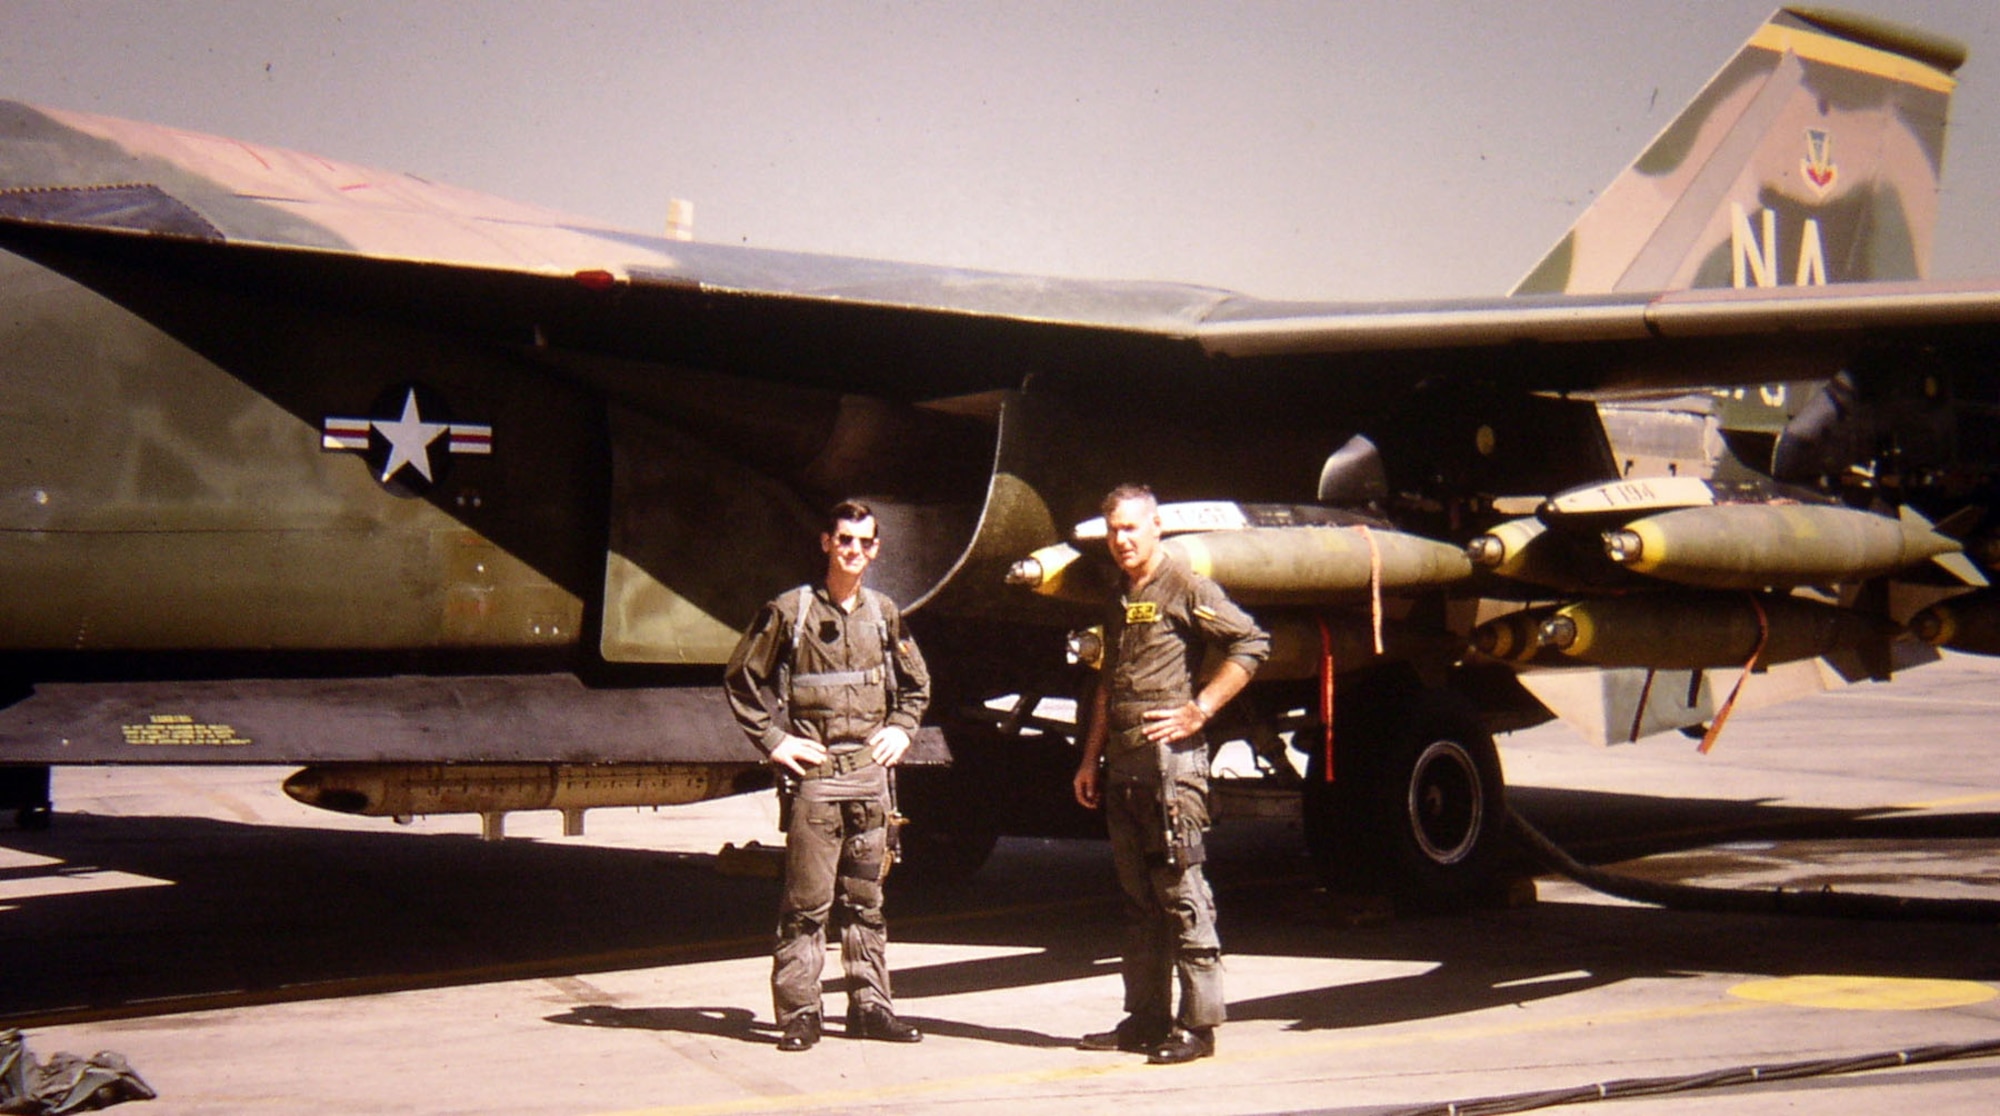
(1130, 712)
(841, 763)
(870, 677)
(1127, 738)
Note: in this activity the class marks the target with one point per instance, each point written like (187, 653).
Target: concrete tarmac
(251, 955)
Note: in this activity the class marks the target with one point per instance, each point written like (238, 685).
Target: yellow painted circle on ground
(1861, 993)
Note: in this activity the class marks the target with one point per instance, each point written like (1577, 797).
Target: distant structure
(680, 219)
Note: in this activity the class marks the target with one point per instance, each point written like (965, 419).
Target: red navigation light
(596, 279)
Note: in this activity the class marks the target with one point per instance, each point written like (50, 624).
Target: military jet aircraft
(459, 504)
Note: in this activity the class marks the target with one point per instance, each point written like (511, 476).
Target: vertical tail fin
(1812, 157)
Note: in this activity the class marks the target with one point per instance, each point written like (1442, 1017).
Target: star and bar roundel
(408, 438)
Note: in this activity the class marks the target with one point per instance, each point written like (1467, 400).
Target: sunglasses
(845, 540)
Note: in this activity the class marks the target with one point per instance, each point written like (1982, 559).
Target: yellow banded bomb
(1270, 565)
(1691, 631)
(1755, 546)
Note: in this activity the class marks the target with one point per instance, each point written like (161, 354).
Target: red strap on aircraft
(1763, 636)
(1326, 695)
(1374, 583)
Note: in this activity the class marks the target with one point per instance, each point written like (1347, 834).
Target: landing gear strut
(25, 790)
(1416, 809)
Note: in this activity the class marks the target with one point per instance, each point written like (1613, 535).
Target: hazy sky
(1358, 150)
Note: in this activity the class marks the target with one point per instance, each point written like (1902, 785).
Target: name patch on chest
(1142, 612)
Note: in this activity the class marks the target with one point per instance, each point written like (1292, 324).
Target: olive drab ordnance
(460, 504)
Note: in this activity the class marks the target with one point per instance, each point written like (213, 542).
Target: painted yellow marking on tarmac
(984, 1084)
(1860, 993)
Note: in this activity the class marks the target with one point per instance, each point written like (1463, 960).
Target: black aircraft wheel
(1444, 807)
(947, 837)
(1417, 809)
(1443, 796)
(934, 855)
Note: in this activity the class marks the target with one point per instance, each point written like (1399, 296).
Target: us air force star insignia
(410, 439)
(403, 444)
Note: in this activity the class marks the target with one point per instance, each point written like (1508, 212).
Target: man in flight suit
(830, 686)
(1145, 730)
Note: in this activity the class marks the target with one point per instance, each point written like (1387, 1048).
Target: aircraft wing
(1253, 329)
(158, 219)
(200, 209)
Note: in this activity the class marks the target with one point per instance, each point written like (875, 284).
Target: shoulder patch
(1205, 612)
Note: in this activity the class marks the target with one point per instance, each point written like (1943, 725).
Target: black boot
(876, 1021)
(802, 1033)
(1132, 1035)
(1184, 1045)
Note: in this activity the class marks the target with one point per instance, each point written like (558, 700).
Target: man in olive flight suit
(830, 686)
(1145, 730)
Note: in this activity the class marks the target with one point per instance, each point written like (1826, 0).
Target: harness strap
(799, 620)
(872, 676)
(881, 674)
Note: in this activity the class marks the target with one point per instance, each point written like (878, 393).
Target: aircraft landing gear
(1416, 809)
(935, 854)
(1010, 777)
(25, 790)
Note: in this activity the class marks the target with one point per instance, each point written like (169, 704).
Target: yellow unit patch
(1142, 612)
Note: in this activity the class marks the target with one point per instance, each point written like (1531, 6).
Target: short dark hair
(853, 511)
(1126, 492)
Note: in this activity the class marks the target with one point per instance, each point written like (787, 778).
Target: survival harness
(882, 673)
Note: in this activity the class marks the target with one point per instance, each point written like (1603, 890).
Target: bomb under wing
(1273, 565)
(1970, 623)
(1060, 571)
(1757, 546)
(1528, 550)
(1268, 565)
(1689, 631)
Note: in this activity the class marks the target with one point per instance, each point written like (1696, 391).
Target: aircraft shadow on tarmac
(737, 1023)
(291, 913)
(742, 1025)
